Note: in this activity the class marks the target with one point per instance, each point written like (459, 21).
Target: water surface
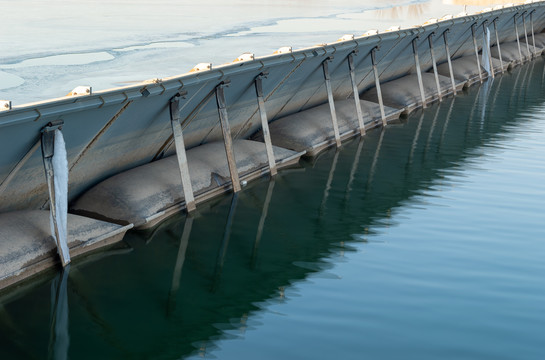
(422, 241)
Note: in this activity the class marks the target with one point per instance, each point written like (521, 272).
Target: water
(424, 241)
(50, 47)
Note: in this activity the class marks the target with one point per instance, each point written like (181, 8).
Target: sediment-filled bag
(464, 69)
(539, 39)
(311, 130)
(404, 93)
(510, 51)
(144, 193)
(27, 247)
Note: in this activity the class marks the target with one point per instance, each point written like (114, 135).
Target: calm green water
(424, 241)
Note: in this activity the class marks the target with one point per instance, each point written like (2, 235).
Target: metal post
(476, 53)
(377, 85)
(325, 65)
(419, 73)
(48, 150)
(180, 152)
(526, 34)
(227, 140)
(518, 40)
(430, 41)
(356, 92)
(447, 50)
(486, 31)
(532, 25)
(498, 44)
(265, 123)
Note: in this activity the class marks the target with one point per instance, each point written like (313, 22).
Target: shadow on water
(173, 291)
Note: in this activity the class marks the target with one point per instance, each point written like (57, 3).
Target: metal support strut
(419, 73)
(325, 65)
(498, 44)
(526, 34)
(434, 62)
(476, 53)
(377, 85)
(227, 140)
(180, 152)
(359, 113)
(447, 51)
(532, 25)
(518, 40)
(48, 151)
(265, 122)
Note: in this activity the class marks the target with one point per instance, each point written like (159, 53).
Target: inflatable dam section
(77, 172)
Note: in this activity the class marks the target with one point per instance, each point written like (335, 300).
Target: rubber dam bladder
(133, 156)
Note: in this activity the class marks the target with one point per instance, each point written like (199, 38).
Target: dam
(200, 164)
(137, 154)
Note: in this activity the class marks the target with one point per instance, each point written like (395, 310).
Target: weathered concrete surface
(26, 246)
(404, 93)
(312, 131)
(147, 192)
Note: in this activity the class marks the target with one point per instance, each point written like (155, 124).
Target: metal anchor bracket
(419, 73)
(265, 122)
(359, 112)
(180, 151)
(434, 62)
(498, 43)
(377, 85)
(447, 51)
(227, 139)
(476, 52)
(517, 35)
(325, 66)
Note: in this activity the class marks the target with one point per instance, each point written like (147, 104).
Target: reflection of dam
(193, 280)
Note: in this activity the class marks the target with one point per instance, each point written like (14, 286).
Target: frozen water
(50, 47)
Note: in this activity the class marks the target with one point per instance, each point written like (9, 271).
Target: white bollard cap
(283, 50)
(247, 56)
(5, 105)
(80, 90)
(201, 67)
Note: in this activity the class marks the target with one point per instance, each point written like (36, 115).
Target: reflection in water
(219, 274)
(59, 338)
(261, 225)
